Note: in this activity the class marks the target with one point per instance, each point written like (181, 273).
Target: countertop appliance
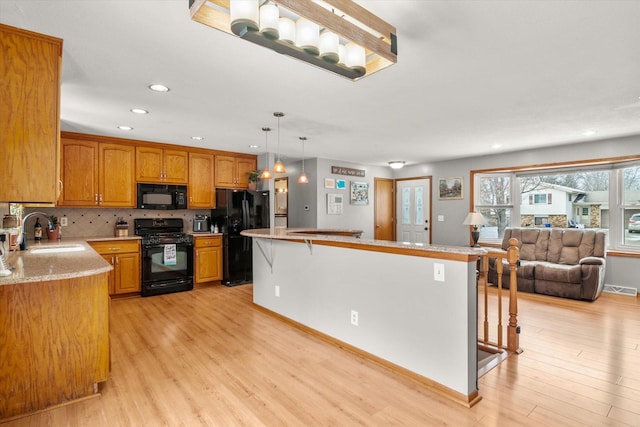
(167, 255)
(239, 210)
(161, 196)
(201, 223)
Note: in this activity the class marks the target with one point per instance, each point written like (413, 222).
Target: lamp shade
(287, 30)
(329, 43)
(278, 167)
(269, 20)
(244, 13)
(356, 58)
(307, 35)
(475, 219)
(303, 179)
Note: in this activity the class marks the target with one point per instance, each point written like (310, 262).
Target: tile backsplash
(100, 222)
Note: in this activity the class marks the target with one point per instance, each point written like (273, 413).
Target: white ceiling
(470, 74)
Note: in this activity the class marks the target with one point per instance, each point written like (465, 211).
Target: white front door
(413, 211)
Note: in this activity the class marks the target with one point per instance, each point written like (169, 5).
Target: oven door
(161, 264)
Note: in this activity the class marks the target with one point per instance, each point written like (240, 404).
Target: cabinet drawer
(116, 246)
(204, 242)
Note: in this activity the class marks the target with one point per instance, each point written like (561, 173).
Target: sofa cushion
(563, 273)
(532, 242)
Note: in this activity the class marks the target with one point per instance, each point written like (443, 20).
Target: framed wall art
(359, 193)
(341, 184)
(450, 188)
(329, 183)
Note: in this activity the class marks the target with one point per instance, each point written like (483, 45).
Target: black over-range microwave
(160, 196)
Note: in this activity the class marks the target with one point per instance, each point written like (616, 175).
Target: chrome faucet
(23, 235)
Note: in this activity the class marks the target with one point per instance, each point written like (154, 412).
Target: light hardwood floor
(209, 357)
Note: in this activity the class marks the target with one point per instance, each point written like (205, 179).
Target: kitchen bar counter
(412, 308)
(345, 238)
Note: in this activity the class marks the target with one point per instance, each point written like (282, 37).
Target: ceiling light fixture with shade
(339, 36)
(396, 164)
(303, 178)
(278, 167)
(266, 173)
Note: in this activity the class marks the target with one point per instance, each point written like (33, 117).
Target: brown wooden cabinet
(233, 171)
(202, 192)
(164, 166)
(208, 259)
(29, 115)
(124, 256)
(97, 174)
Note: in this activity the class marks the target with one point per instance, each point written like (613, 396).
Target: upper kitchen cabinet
(30, 65)
(233, 171)
(202, 192)
(97, 173)
(162, 166)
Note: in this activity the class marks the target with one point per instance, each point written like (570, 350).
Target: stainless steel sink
(57, 249)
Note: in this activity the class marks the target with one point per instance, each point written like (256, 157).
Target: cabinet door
(176, 167)
(201, 189)
(127, 273)
(208, 264)
(149, 164)
(79, 173)
(225, 171)
(112, 277)
(117, 176)
(29, 115)
(243, 168)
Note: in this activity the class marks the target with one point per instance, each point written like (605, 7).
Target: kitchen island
(54, 327)
(409, 307)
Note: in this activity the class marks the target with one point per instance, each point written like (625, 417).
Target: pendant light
(278, 167)
(266, 173)
(303, 179)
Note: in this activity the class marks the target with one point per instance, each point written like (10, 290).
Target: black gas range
(167, 255)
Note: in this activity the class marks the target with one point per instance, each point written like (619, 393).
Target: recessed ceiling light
(254, 146)
(158, 88)
(125, 128)
(197, 138)
(496, 146)
(589, 132)
(139, 111)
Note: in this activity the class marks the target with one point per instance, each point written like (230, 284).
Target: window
(630, 188)
(605, 197)
(494, 196)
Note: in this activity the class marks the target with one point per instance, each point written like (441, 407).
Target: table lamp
(475, 219)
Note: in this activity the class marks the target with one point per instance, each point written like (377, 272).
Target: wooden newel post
(513, 255)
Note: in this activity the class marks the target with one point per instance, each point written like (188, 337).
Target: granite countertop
(107, 238)
(307, 234)
(31, 266)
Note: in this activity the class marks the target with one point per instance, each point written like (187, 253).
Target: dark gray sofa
(563, 262)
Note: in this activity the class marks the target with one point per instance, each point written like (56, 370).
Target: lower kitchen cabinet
(124, 256)
(208, 259)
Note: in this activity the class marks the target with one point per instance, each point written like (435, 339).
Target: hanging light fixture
(292, 27)
(266, 173)
(278, 167)
(303, 179)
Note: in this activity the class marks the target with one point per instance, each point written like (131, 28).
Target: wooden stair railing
(512, 255)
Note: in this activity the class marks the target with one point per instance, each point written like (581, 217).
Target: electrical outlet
(277, 290)
(438, 272)
(440, 218)
(354, 318)
(63, 221)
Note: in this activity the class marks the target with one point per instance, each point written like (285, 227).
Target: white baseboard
(620, 290)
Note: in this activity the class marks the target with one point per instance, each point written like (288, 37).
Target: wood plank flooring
(209, 357)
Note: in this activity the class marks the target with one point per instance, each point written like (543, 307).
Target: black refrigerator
(238, 210)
